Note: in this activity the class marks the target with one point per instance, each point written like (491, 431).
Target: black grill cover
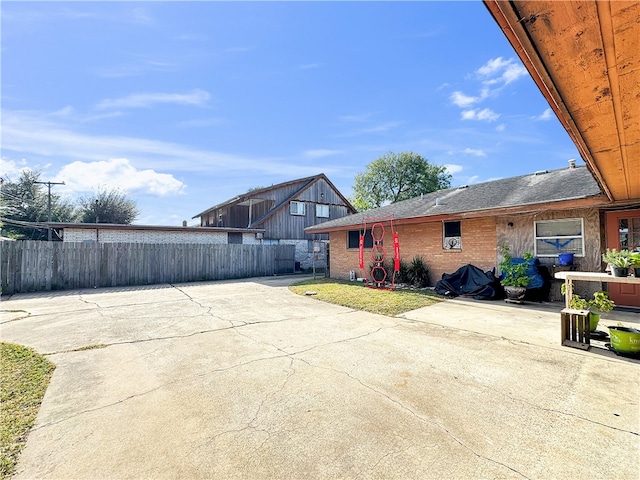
(470, 281)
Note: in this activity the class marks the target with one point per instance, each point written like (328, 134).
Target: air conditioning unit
(452, 243)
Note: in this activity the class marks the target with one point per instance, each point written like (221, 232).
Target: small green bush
(418, 272)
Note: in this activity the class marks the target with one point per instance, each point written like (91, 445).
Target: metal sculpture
(376, 274)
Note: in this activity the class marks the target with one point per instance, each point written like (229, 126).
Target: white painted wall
(148, 236)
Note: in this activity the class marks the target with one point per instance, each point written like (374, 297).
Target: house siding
(481, 239)
(147, 236)
(521, 237)
(273, 213)
(425, 239)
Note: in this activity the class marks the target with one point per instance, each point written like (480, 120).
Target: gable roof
(305, 183)
(488, 198)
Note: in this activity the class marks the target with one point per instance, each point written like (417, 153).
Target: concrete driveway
(244, 379)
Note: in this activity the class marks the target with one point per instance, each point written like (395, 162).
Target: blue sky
(185, 104)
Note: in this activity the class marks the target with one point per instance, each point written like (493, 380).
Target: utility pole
(48, 184)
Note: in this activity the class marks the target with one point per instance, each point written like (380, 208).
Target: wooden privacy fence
(32, 266)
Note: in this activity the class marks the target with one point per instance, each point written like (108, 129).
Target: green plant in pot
(600, 303)
(513, 275)
(635, 263)
(619, 261)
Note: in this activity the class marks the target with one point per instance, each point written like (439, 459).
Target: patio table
(569, 277)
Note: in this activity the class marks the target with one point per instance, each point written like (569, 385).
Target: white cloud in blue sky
(146, 100)
(118, 174)
(486, 114)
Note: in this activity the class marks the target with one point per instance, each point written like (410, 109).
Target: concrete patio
(244, 379)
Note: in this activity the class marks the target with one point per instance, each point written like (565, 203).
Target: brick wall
(479, 247)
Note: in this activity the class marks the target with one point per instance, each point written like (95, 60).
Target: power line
(49, 184)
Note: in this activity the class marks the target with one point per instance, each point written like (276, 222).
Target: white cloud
(462, 100)
(11, 168)
(500, 71)
(486, 114)
(32, 134)
(356, 118)
(201, 122)
(546, 115)
(143, 100)
(494, 75)
(117, 173)
(382, 128)
(320, 153)
(501, 127)
(452, 169)
(493, 66)
(475, 152)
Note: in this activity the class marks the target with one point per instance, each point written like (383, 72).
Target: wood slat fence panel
(31, 266)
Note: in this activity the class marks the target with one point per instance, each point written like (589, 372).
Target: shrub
(403, 273)
(418, 272)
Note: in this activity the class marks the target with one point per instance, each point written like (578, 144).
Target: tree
(395, 177)
(26, 203)
(108, 206)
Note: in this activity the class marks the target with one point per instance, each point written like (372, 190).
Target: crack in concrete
(202, 374)
(425, 420)
(568, 414)
(28, 314)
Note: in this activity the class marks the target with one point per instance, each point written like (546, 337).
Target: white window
(297, 208)
(322, 211)
(554, 237)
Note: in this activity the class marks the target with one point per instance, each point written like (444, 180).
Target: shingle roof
(537, 188)
(304, 183)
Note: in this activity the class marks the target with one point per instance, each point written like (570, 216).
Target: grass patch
(24, 377)
(355, 295)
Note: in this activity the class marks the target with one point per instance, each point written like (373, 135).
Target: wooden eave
(584, 56)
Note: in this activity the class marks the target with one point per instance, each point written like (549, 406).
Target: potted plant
(635, 263)
(625, 340)
(513, 275)
(600, 303)
(619, 261)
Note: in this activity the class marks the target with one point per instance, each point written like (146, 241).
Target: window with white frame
(553, 237)
(451, 236)
(296, 208)
(322, 211)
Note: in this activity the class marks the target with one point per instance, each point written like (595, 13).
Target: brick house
(546, 213)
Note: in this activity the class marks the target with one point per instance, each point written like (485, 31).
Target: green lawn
(355, 295)
(24, 377)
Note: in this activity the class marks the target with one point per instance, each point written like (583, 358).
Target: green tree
(108, 206)
(26, 203)
(395, 177)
